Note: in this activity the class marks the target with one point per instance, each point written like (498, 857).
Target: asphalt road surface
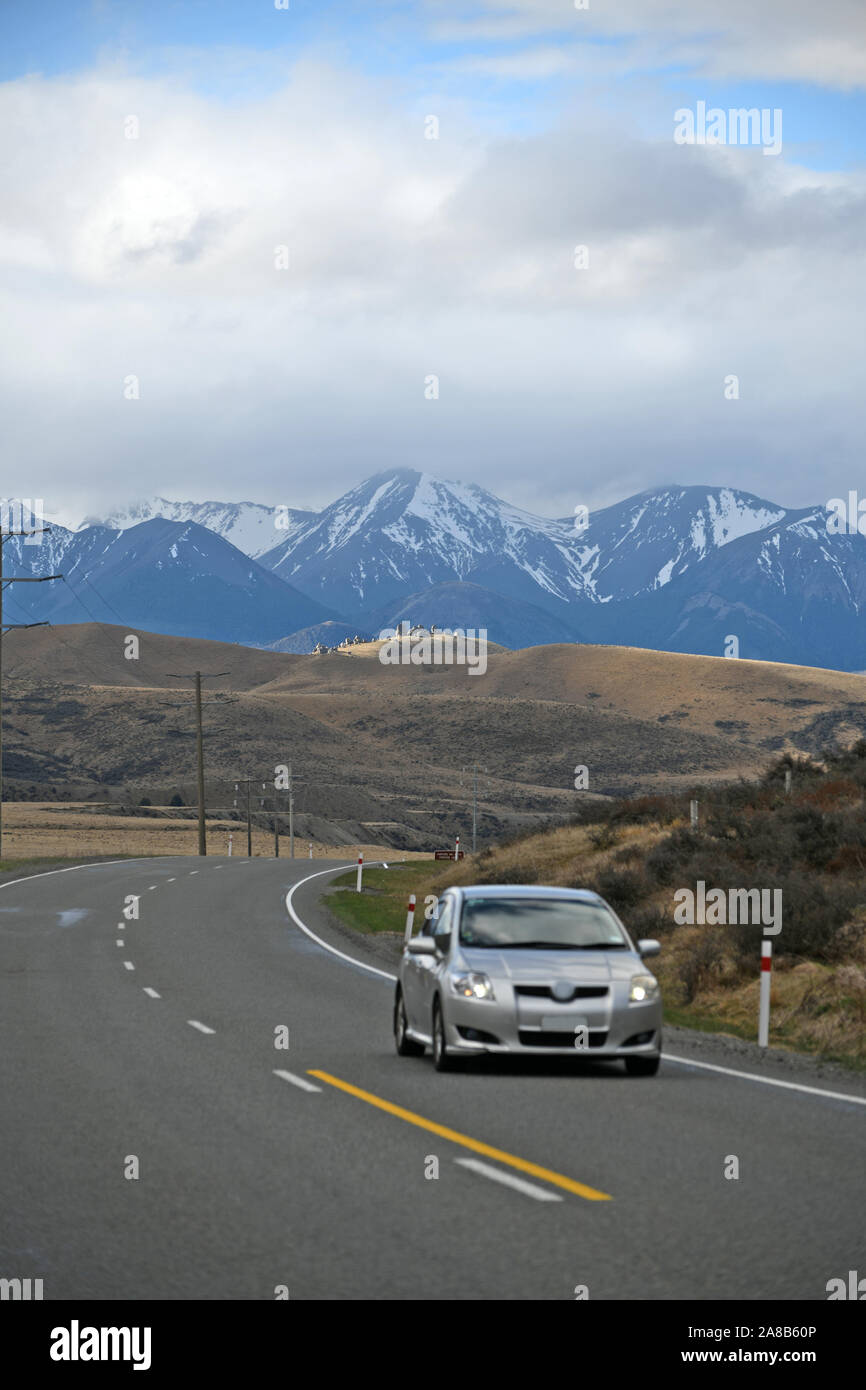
(151, 1046)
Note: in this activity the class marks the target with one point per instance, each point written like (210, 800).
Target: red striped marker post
(410, 917)
(764, 1009)
(457, 850)
(360, 871)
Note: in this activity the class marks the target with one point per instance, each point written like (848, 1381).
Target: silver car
(528, 971)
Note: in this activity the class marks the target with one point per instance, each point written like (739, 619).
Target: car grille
(545, 992)
(533, 1037)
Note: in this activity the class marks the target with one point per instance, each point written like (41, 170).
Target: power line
(99, 621)
(104, 600)
(5, 580)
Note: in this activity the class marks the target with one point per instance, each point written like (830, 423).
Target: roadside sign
(446, 854)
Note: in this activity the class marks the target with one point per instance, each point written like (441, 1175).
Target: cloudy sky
(236, 211)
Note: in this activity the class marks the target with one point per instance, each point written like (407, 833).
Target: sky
(250, 252)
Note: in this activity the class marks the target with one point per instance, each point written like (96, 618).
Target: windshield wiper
(539, 946)
(603, 946)
(563, 946)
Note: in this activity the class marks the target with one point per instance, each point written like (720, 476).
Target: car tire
(642, 1066)
(441, 1059)
(406, 1046)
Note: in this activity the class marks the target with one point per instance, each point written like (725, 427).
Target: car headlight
(643, 988)
(472, 985)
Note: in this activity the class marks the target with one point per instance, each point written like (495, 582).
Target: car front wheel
(406, 1046)
(441, 1059)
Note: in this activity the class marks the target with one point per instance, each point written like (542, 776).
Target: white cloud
(409, 256)
(799, 40)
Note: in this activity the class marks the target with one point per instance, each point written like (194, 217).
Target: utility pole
(199, 749)
(7, 627)
(291, 816)
(475, 769)
(246, 782)
(291, 791)
(198, 677)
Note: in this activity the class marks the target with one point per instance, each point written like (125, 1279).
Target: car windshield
(541, 923)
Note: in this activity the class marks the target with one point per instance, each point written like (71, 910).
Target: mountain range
(679, 568)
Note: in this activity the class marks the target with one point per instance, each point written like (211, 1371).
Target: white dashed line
(152, 886)
(202, 1027)
(529, 1189)
(119, 941)
(299, 1081)
(193, 871)
(171, 880)
(152, 992)
(129, 965)
(120, 926)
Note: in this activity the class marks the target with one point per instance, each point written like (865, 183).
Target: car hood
(538, 967)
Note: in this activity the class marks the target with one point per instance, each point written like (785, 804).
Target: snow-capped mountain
(646, 541)
(795, 593)
(674, 568)
(403, 531)
(250, 526)
(163, 576)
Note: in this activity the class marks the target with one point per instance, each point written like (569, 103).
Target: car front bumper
(611, 1029)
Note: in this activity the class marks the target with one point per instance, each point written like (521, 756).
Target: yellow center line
(466, 1141)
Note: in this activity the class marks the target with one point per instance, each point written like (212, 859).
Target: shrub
(698, 965)
(602, 836)
(814, 916)
(622, 888)
(664, 862)
(647, 920)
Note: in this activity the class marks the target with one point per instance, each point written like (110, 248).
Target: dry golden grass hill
(385, 745)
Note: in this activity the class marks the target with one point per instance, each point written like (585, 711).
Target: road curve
(150, 1047)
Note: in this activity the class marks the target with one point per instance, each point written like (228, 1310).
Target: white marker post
(311, 848)
(360, 872)
(231, 837)
(693, 810)
(457, 849)
(764, 1009)
(410, 917)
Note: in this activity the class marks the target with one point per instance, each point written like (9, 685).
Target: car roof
(524, 890)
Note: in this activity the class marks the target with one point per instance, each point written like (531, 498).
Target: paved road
(247, 1181)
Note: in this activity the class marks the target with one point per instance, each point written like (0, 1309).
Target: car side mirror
(442, 942)
(648, 947)
(421, 946)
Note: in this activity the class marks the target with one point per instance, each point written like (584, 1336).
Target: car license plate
(563, 1023)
